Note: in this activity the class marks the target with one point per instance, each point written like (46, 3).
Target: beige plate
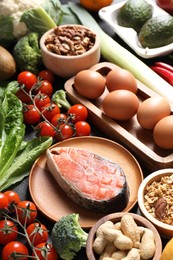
(54, 203)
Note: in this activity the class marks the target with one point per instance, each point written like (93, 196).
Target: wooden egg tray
(128, 133)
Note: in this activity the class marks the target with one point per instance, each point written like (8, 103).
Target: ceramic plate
(53, 202)
(129, 35)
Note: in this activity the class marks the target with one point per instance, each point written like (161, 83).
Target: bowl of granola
(68, 49)
(155, 200)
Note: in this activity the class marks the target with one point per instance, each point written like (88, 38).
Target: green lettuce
(17, 155)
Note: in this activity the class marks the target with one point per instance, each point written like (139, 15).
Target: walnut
(70, 40)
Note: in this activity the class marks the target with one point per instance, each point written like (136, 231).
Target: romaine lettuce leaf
(12, 130)
(24, 161)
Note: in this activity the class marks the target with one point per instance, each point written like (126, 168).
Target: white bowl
(67, 66)
(165, 230)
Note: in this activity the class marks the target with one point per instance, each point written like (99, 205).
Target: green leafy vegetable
(12, 86)
(68, 18)
(12, 130)
(16, 154)
(24, 160)
(43, 18)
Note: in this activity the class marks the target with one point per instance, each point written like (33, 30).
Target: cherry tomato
(27, 78)
(47, 75)
(26, 212)
(45, 87)
(41, 100)
(58, 119)
(50, 110)
(14, 248)
(46, 251)
(166, 5)
(80, 112)
(30, 115)
(67, 131)
(12, 196)
(82, 128)
(37, 233)
(23, 96)
(8, 231)
(4, 202)
(45, 129)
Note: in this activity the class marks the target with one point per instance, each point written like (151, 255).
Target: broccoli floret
(59, 98)
(27, 53)
(68, 237)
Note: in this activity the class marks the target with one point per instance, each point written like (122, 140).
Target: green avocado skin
(157, 32)
(134, 13)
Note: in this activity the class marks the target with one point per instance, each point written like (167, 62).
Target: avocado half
(157, 32)
(134, 13)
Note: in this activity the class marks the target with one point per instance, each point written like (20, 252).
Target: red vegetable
(164, 65)
(14, 248)
(167, 5)
(45, 129)
(8, 231)
(37, 232)
(164, 73)
(26, 211)
(28, 79)
(30, 115)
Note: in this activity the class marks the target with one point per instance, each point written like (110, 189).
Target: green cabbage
(43, 18)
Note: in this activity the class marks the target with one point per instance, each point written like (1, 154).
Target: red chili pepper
(164, 73)
(164, 65)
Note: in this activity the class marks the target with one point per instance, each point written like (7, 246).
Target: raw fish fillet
(92, 181)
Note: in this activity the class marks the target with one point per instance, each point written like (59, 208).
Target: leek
(117, 54)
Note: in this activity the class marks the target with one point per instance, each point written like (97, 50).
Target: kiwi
(7, 64)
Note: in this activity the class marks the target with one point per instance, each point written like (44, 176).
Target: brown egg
(152, 110)
(89, 84)
(163, 133)
(120, 104)
(121, 79)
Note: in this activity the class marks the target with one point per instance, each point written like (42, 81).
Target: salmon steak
(90, 180)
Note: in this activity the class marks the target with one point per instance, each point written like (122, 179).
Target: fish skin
(112, 204)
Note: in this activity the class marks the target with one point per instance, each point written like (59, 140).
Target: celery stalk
(117, 54)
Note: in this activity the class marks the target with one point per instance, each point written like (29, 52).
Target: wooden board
(128, 133)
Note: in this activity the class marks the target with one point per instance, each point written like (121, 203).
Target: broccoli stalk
(68, 237)
(59, 98)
